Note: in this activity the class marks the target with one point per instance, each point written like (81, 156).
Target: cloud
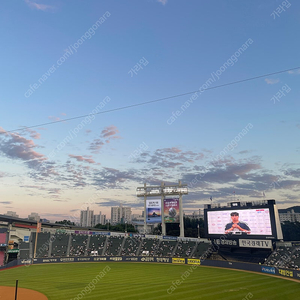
(271, 81)
(109, 203)
(53, 118)
(82, 158)
(50, 191)
(287, 184)
(293, 172)
(110, 131)
(6, 202)
(107, 134)
(244, 152)
(38, 6)
(33, 134)
(163, 2)
(294, 72)
(227, 173)
(14, 146)
(169, 157)
(96, 145)
(114, 179)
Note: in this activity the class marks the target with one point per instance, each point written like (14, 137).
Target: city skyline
(66, 60)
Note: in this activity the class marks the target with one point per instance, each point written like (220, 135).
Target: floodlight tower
(163, 191)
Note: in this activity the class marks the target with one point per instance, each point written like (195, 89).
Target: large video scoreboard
(249, 220)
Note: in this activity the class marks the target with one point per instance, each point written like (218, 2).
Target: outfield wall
(295, 274)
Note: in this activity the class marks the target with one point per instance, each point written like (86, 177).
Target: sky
(63, 59)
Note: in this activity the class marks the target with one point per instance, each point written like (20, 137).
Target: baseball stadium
(55, 262)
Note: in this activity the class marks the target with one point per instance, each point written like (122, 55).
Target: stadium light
(163, 191)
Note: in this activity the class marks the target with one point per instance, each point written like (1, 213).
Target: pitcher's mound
(8, 293)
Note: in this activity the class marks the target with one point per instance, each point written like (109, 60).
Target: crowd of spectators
(114, 244)
(66, 244)
(150, 245)
(97, 243)
(184, 249)
(60, 245)
(78, 245)
(131, 246)
(166, 248)
(285, 257)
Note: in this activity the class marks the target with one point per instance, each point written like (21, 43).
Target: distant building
(11, 214)
(34, 217)
(87, 218)
(120, 214)
(125, 214)
(115, 215)
(103, 220)
(290, 216)
(99, 219)
(136, 217)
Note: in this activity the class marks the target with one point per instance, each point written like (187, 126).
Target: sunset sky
(62, 59)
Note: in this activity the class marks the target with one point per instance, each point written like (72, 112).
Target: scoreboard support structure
(163, 191)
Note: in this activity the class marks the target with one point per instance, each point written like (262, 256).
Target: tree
(117, 227)
(65, 222)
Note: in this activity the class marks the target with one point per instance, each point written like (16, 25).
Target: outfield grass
(148, 281)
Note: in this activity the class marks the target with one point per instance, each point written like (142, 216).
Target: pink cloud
(14, 146)
(163, 2)
(53, 118)
(295, 72)
(96, 145)
(271, 81)
(110, 131)
(82, 158)
(39, 6)
(107, 134)
(173, 150)
(33, 134)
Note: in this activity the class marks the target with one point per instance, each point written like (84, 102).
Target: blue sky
(62, 59)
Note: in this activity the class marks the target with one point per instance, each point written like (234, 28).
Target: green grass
(148, 281)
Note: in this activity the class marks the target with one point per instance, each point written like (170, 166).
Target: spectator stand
(97, 243)
(165, 248)
(60, 244)
(130, 246)
(113, 245)
(150, 245)
(184, 249)
(78, 245)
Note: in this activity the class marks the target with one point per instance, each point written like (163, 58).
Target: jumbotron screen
(250, 222)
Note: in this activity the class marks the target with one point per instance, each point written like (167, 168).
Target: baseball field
(116, 280)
